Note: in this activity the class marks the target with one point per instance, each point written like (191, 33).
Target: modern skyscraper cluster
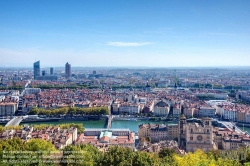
(38, 75)
(37, 71)
(67, 70)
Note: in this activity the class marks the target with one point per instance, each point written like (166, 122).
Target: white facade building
(230, 114)
(161, 109)
(129, 109)
(207, 112)
(177, 111)
(32, 90)
(8, 109)
(247, 115)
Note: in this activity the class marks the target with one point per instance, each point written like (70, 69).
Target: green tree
(166, 152)
(75, 156)
(79, 126)
(34, 111)
(148, 139)
(17, 147)
(145, 159)
(39, 145)
(72, 111)
(117, 156)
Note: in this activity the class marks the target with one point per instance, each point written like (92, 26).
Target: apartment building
(172, 131)
(230, 114)
(247, 117)
(129, 108)
(207, 112)
(241, 116)
(158, 132)
(8, 109)
(177, 110)
(188, 112)
(227, 139)
(32, 90)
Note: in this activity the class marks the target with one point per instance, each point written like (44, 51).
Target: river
(132, 125)
(245, 129)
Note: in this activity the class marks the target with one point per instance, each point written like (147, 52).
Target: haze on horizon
(125, 33)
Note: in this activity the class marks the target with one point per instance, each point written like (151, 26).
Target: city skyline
(125, 33)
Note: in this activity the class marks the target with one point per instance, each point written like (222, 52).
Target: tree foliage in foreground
(87, 155)
(16, 152)
(200, 158)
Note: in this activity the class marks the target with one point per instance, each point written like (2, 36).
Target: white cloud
(128, 44)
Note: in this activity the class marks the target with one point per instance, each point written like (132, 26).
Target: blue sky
(160, 33)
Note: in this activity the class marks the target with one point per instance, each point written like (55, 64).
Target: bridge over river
(14, 121)
(109, 121)
(231, 126)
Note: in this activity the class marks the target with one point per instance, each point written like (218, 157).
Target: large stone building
(158, 132)
(161, 108)
(196, 135)
(172, 131)
(129, 108)
(207, 112)
(200, 136)
(228, 139)
(105, 138)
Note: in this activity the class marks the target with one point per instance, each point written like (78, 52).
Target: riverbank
(243, 124)
(129, 119)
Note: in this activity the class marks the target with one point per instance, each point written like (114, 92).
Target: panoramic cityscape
(135, 83)
(183, 109)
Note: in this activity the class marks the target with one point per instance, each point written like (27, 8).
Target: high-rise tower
(43, 72)
(36, 67)
(67, 70)
(52, 71)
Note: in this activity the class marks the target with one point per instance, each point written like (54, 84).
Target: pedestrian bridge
(14, 121)
(109, 121)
